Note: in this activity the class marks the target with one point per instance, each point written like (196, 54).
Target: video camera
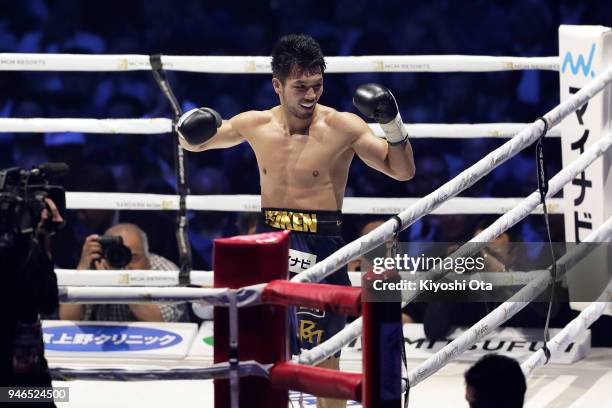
(22, 199)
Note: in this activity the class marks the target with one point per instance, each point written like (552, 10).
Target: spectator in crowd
(205, 226)
(84, 222)
(247, 223)
(502, 253)
(495, 381)
(440, 316)
(92, 258)
(364, 263)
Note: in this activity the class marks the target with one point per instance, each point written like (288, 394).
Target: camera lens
(116, 254)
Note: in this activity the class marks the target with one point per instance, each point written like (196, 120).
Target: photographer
(31, 210)
(29, 288)
(134, 241)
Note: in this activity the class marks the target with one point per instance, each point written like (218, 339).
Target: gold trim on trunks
(291, 220)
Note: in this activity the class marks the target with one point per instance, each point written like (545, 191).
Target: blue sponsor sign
(102, 338)
(579, 63)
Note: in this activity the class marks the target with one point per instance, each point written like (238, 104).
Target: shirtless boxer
(303, 152)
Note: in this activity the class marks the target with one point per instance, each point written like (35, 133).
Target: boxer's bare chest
(301, 158)
(306, 169)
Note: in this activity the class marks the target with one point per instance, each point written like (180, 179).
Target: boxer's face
(300, 92)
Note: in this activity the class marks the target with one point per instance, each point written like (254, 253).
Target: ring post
(242, 261)
(382, 343)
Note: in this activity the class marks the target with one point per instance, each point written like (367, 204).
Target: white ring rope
(112, 126)
(216, 371)
(506, 310)
(379, 205)
(160, 278)
(570, 332)
(121, 201)
(261, 65)
(246, 296)
(93, 277)
(164, 125)
(252, 203)
(453, 187)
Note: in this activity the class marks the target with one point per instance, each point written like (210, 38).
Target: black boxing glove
(198, 125)
(377, 102)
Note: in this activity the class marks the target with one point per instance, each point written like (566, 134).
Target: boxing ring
(231, 293)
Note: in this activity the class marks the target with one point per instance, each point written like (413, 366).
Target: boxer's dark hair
(296, 51)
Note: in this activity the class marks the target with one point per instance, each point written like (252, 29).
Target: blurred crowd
(145, 163)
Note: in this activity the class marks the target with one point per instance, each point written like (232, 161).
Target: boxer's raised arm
(394, 161)
(393, 158)
(203, 129)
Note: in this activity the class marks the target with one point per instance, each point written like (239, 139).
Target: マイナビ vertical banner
(584, 52)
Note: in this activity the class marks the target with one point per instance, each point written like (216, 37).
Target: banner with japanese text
(584, 52)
